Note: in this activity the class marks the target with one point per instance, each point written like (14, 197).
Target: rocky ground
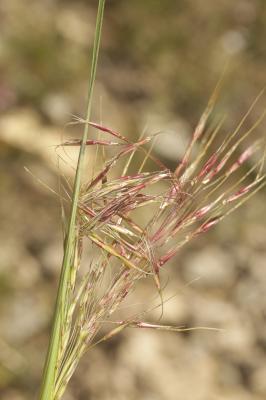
(159, 63)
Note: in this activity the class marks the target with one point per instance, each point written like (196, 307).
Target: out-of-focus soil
(158, 65)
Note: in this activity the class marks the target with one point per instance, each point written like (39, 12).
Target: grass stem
(61, 306)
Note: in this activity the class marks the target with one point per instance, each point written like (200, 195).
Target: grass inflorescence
(201, 191)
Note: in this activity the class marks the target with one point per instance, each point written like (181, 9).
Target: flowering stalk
(62, 302)
(190, 200)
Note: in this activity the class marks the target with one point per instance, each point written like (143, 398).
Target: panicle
(178, 206)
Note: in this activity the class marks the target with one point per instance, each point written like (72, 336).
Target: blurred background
(159, 62)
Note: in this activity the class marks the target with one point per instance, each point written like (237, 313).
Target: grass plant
(199, 193)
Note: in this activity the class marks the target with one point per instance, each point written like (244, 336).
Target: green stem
(50, 368)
